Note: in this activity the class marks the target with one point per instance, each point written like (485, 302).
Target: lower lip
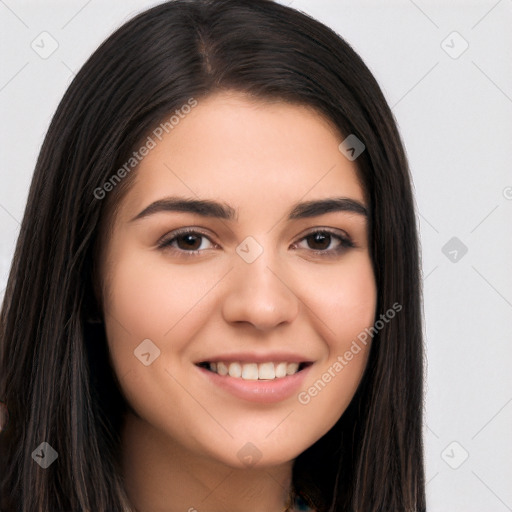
(262, 391)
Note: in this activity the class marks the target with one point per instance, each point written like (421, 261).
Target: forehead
(243, 150)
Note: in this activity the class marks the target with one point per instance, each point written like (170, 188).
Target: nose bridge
(258, 292)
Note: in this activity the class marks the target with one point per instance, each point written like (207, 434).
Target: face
(241, 249)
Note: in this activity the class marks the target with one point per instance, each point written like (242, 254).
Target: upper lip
(252, 357)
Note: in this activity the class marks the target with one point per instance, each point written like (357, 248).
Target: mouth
(266, 371)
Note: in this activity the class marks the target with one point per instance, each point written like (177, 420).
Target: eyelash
(345, 242)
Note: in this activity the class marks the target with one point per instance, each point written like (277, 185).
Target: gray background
(454, 111)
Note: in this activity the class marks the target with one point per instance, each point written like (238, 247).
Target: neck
(163, 476)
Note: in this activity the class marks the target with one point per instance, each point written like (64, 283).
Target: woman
(274, 365)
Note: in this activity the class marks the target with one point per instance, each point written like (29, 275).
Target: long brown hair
(55, 376)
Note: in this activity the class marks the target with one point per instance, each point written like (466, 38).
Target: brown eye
(326, 243)
(187, 242)
(319, 241)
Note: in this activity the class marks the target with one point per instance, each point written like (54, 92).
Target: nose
(260, 294)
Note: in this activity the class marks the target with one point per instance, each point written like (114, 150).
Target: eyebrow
(214, 209)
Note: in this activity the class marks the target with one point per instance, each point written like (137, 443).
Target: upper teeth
(255, 371)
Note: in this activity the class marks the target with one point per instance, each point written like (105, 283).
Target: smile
(254, 371)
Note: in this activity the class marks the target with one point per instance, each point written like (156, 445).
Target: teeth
(281, 370)
(235, 370)
(222, 369)
(254, 371)
(250, 371)
(266, 371)
(292, 368)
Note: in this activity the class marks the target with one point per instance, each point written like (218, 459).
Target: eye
(187, 241)
(191, 242)
(326, 243)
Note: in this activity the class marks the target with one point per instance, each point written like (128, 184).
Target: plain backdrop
(446, 71)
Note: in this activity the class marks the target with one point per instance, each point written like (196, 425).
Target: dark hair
(372, 459)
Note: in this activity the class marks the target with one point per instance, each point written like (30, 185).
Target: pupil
(189, 241)
(322, 238)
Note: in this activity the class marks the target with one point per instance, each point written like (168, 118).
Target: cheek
(345, 305)
(147, 300)
(344, 300)
(141, 306)
(355, 301)
(140, 295)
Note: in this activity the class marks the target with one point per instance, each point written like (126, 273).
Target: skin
(181, 441)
